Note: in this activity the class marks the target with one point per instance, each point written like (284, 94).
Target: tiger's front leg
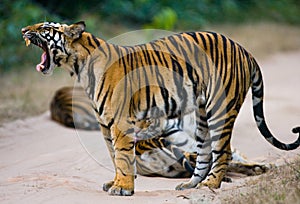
(124, 160)
(108, 139)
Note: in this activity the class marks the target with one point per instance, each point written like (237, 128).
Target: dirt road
(43, 162)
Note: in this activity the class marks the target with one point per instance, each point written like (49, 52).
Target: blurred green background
(134, 14)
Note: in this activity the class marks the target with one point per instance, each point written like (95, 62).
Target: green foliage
(164, 14)
(196, 13)
(165, 19)
(70, 9)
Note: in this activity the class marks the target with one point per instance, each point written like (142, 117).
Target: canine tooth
(27, 41)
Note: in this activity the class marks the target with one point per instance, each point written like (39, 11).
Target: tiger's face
(149, 128)
(56, 42)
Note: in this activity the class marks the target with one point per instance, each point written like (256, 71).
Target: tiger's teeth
(27, 41)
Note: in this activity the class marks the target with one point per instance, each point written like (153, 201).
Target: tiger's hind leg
(204, 156)
(220, 129)
(191, 158)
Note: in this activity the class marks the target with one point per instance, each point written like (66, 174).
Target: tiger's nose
(24, 30)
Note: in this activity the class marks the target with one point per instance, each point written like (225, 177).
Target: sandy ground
(43, 162)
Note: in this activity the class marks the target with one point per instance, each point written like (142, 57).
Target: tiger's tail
(257, 100)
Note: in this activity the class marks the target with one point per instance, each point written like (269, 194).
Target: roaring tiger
(134, 87)
(71, 107)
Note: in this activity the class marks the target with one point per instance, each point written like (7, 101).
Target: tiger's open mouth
(44, 65)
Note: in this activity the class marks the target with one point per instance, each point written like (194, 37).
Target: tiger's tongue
(41, 65)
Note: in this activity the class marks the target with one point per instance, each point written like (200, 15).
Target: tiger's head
(56, 40)
(148, 128)
(148, 124)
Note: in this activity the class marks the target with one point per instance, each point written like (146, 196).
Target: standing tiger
(134, 87)
(71, 107)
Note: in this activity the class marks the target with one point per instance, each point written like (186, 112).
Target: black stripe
(173, 108)
(92, 80)
(163, 91)
(96, 41)
(90, 42)
(174, 42)
(225, 55)
(101, 87)
(211, 47)
(188, 44)
(76, 67)
(86, 49)
(107, 55)
(101, 108)
(203, 40)
(194, 36)
(147, 91)
(216, 51)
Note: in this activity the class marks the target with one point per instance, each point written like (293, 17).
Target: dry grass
(280, 185)
(28, 93)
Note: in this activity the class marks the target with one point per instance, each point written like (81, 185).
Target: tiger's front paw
(120, 191)
(120, 186)
(107, 186)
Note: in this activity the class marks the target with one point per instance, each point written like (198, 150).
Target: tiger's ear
(75, 30)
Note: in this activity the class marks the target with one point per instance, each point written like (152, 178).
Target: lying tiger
(136, 88)
(71, 107)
